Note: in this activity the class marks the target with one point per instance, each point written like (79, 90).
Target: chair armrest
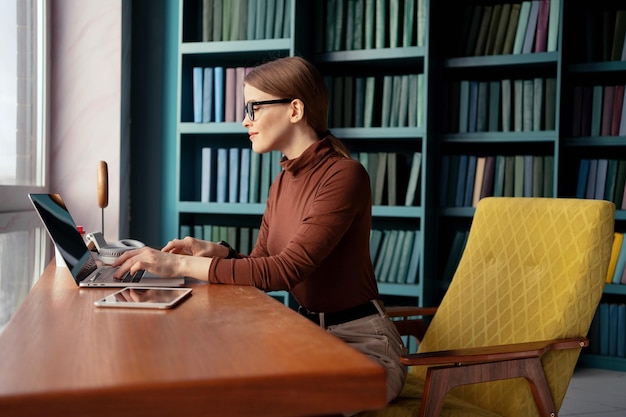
(493, 353)
(409, 311)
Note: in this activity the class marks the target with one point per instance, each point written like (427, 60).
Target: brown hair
(295, 77)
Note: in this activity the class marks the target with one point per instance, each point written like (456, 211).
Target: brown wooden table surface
(225, 351)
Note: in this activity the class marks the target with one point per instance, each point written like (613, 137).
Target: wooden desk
(226, 351)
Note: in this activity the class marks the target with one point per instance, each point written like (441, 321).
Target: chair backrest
(532, 269)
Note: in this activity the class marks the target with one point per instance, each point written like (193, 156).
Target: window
(23, 160)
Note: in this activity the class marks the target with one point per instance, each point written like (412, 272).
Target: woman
(314, 236)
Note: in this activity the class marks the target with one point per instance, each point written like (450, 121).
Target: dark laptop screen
(64, 234)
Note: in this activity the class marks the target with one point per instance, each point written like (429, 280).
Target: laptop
(86, 270)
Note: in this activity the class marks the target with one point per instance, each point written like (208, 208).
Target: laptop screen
(64, 233)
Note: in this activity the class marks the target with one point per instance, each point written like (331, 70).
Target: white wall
(85, 104)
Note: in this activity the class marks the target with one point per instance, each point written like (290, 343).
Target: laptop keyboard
(128, 277)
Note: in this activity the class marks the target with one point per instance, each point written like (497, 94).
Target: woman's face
(271, 127)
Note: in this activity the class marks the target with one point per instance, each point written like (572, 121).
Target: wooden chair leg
(440, 380)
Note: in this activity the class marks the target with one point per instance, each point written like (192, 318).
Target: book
(380, 31)
(251, 20)
(240, 73)
(394, 23)
(529, 37)
(518, 180)
(478, 179)
(549, 118)
(376, 237)
(596, 108)
(548, 176)
(444, 170)
(537, 105)
(611, 180)
(421, 23)
(537, 176)
(404, 256)
(265, 178)
(380, 178)
(474, 27)
(207, 20)
(392, 178)
(198, 73)
(553, 25)
(244, 176)
(509, 176)
(494, 106)
(470, 180)
(590, 189)
(486, 188)
(543, 16)
(218, 90)
(483, 31)
(388, 256)
(622, 119)
(528, 176)
(229, 94)
(207, 192)
(527, 105)
(413, 270)
(359, 16)
(601, 173)
(385, 114)
(260, 19)
(586, 110)
(391, 274)
(207, 95)
(509, 38)
(607, 110)
(482, 103)
(217, 20)
(255, 178)
(279, 19)
(233, 175)
(414, 176)
(620, 264)
(498, 182)
(618, 35)
(620, 183)
(522, 25)
(370, 24)
(618, 100)
(494, 22)
(618, 238)
(270, 16)
(503, 22)
(460, 181)
(621, 330)
(222, 175)
(408, 23)
(518, 105)
(583, 173)
(368, 108)
(464, 104)
(506, 94)
(454, 256)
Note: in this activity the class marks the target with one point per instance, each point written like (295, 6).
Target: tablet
(144, 297)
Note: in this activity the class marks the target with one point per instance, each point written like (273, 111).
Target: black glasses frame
(248, 108)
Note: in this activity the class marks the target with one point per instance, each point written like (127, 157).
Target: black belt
(343, 316)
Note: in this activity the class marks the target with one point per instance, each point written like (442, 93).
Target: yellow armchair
(506, 337)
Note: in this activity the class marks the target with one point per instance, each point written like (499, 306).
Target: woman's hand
(195, 247)
(162, 263)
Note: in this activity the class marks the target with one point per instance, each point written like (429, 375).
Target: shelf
(613, 363)
(397, 211)
(598, 67)
(410, 55)
(595, 141)
(500, 137)
(226, 128)
(615, 289)
(497, 61)
(366, 133)
(403, 290)
(220, 208)
(236, 48)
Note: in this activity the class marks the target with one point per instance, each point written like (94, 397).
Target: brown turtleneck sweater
(314, 235)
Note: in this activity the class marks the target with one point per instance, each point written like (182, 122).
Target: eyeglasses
(249, 107)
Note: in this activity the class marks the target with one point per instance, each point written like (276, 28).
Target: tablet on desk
(160, 298)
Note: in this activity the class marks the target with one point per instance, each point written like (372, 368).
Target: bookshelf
(444, 55)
